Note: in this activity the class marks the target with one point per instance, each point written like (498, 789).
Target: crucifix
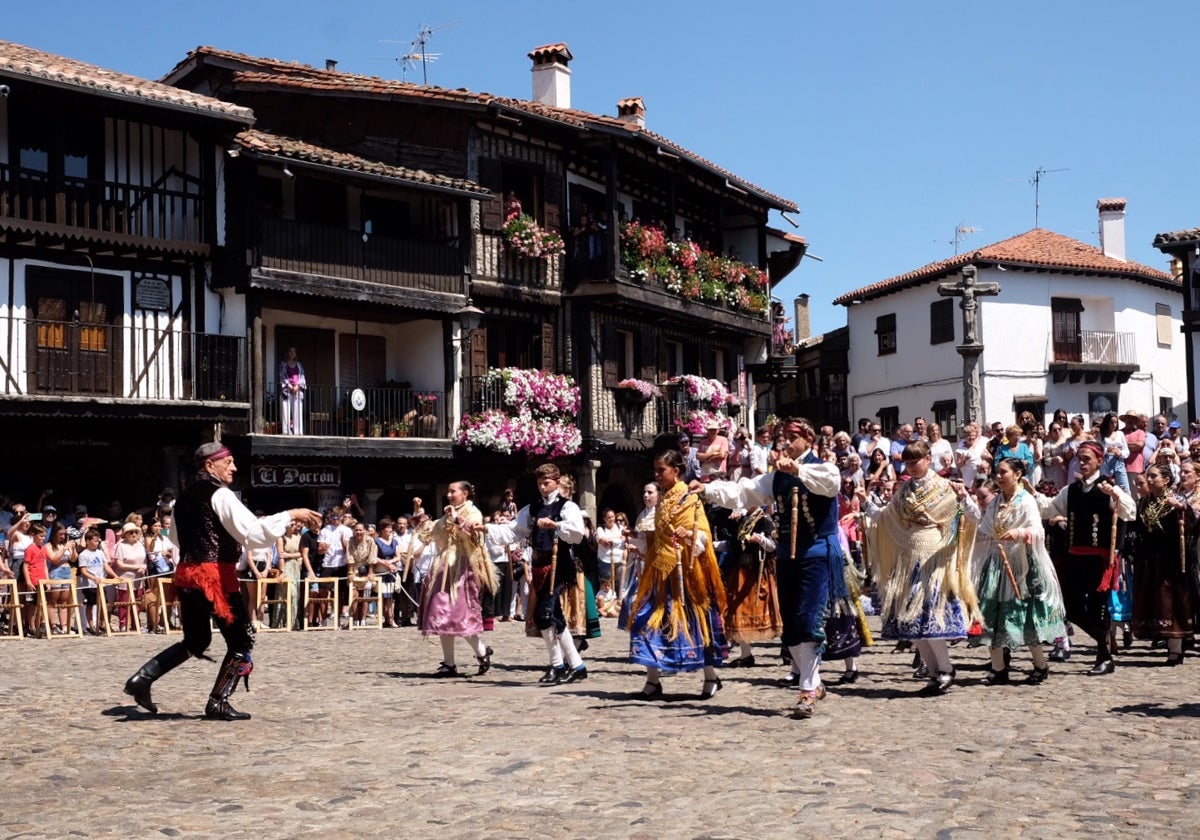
(968, 288)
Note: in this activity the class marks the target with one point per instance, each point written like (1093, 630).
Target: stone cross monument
(968, 289)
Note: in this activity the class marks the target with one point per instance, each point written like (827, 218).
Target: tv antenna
(1036, 181)
(961, 232)
(417, 52)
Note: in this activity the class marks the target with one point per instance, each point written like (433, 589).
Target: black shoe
(445, 670)
(790, 681)
(1104, 666)
(1007, 657)
(710, 688)
(1039, 676)
(582, 645)
(655, 692)
(1158, 644)
(1126, 639)
(922, 672)
(221, 710)
(576, 675)
(916, 663)
(1059, 654)
(485, 662)
(744, 662)
(996, 677)
(1174, 659)
(138, 687)
(848, 678)
(941, 682)
(553, 676)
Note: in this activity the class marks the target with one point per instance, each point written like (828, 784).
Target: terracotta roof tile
(1164, 241)
(254, 140)
(550, 51)
(1110, 204)
(22, 61)
(269, 72)
(1037, 249)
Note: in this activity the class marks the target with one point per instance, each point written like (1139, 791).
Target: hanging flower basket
(636, 391)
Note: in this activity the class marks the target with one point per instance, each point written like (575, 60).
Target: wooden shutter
(691, 359)
(548, 346)
(648, 357)
(479, 363)
(369, 369)
(610, 357)
(491, 210)
(52, 334)
(554, 201)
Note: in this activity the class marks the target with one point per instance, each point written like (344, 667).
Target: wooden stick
(1012, 578)
(795, 518)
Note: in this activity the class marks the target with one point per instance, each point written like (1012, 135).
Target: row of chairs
(274, 594)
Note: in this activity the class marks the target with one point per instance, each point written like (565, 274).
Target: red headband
(220, 454)
(1096, 448)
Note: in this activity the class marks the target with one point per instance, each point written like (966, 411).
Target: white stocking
(447, 649)
(553, 648)
(476, 644)
(807, 663)
(941, 654)
(566, 645)
(746, 652)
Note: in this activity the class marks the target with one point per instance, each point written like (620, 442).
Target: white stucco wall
(1015, 328)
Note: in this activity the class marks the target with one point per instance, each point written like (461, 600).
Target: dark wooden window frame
(885, 334)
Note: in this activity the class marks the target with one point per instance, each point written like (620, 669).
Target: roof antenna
(961, 232)
(1036, 181)
(416, 52)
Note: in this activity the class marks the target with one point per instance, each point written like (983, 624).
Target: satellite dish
(358, 400)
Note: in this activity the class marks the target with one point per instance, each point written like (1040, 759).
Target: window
(885, 332)
(941, 321)
(889, 418)
(626, 361)
(1064, 313)
(945, 414)
(1162, 320)
(1166, 406)
(674, 354)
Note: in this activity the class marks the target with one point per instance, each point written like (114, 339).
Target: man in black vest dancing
(212, 526)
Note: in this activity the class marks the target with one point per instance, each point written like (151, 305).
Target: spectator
(386, 564)
(361, 556)
(691, 465)
(288, 549)
(919, 430)
(1116, 451)
(58, 566)
(35, 572)
(93, 568)
(292, 387)
(129, 562)
(1056, 452)
(1135, 439)
(862, 437)
(335, 537)
(741, 455)
(610, 545)
(1013, 446)
(760, 456)
(713, 452)
(941, 452)
(879, 468)
(901, 437)
(971, 455)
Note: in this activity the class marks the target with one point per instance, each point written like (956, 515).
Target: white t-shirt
(970, 459)
(609, 553)
(93, 562)
(336, 538)
(939, 449)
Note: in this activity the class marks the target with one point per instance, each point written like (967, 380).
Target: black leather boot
(237, 666)
(138, 686)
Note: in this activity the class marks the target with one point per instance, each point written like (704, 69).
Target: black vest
(201, 536)
(816, 516)
(1090, 518)
(543, 538)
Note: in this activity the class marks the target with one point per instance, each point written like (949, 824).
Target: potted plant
(397, 428)
(377, 429)
(269, 427)
(636, 390)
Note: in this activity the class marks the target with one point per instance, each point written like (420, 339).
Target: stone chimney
(1112, 227)
(331, 64)
(632, 110)
(803, 329)
(551, 75)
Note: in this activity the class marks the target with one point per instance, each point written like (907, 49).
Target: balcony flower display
(526, 238)
(687, 270)
(701, 390)
(639, 389)
(536, 417)
(695, 422)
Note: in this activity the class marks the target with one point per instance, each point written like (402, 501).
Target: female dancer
(676, 622)
(1019, 595)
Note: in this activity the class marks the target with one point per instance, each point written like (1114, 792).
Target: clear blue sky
(890, 124)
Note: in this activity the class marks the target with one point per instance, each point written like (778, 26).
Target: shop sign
(292, 475)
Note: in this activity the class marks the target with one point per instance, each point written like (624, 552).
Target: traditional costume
(1018, 591)
(808, 557)
(1165, 601)
(1089, 569)
(676, 614)
(751, 593)
(292, 385)
(923, 547)
(212, 526)
(450, 596)
(635, 561)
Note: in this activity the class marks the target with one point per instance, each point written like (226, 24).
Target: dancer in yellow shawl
(676, 615)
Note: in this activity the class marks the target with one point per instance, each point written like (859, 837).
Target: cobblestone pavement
(351, 737)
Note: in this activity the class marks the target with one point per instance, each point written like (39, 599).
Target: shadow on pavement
(1159, 710)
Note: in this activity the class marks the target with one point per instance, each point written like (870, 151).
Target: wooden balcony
(103, 361)
(326, 251)
(501, 274)
(1093, 356)
(388, 413)
(126, 216)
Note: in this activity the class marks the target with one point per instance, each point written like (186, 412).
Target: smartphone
(35, 517)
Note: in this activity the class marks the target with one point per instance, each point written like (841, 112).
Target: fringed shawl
(924, 529)
(456, 547)
(670, 561)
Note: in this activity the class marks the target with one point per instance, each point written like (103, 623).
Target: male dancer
(545, 522)
(212, 526)
(803, 488)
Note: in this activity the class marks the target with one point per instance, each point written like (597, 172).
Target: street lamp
(470, 316)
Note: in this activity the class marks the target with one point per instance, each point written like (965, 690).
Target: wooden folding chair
(10, 604)
(166, 586)
(74, 624)
(274, 586)
(125, 595)
(375, 623)
(322, 597)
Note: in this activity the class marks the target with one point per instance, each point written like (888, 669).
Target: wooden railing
(1096, 347)
(337, 252)
(149, 363)
(155, 212)
(493, 262)
(388, 412)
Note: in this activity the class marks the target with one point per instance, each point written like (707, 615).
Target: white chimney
(803, 329)
(1112, 227)
(632, 110)
(551, 75)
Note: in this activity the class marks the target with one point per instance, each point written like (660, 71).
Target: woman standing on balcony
(292, 386)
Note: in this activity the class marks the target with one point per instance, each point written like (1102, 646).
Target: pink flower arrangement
(702, 390)
(537, 418)
(426, 398)
(696, 422)
(645, 390)
(524, 237)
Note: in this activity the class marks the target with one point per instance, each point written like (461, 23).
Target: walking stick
(553, 568)
(1008, 570)
(795, 518)
(1182, 543)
